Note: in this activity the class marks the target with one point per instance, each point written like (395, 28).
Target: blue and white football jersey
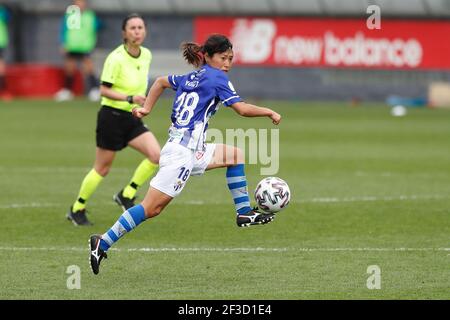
(198, 94)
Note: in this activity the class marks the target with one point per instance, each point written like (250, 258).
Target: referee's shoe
(123, 202)
(78, 218)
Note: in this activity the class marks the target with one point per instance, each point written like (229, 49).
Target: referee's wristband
(130, 99)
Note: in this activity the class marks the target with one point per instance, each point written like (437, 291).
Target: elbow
(162, 82)
(240, 109)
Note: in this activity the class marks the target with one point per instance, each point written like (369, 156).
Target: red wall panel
(303, 42)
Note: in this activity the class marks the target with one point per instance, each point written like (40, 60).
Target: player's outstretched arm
(249, 110)
(155, 92)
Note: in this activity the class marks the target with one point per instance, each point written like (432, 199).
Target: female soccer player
(124, 84)
(185, 153)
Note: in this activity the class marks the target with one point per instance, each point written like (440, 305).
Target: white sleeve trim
(230, 98)
(171, 78)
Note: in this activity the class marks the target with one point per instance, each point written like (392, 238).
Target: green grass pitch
(367, 189)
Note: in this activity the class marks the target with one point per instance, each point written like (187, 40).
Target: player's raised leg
(233, 158)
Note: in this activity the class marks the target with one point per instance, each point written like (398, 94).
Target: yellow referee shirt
(128, 75)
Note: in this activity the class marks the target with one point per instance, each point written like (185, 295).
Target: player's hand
(139, 100)
(139, 112)
(276, 118)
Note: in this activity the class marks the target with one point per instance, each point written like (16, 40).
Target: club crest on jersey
(178, 185)
(199, 155)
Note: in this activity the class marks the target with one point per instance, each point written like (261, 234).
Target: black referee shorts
(115, 128)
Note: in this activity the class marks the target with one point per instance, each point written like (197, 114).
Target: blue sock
(129, 220)
(237, 183)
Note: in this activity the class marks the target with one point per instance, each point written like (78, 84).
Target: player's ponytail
(193, 53)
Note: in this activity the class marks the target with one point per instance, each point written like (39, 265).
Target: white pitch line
(257, 249)
(4, 169)
(374, 198)
(27, 205)
(313, 200)
(346, 199)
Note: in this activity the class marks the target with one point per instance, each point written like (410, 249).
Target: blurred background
(366, 158)
(285, 49)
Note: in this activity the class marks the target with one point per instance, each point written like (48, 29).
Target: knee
(152, 211)
(154, 158)
(103, 171)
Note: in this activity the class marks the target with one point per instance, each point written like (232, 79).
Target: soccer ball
(272, 194)
(398, 111)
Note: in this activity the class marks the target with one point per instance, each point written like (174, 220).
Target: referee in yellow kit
(123, 87)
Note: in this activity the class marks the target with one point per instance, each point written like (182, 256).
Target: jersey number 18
(186, 104)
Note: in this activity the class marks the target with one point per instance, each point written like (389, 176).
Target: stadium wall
(166, 32)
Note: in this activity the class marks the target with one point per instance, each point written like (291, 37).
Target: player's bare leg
(152, 205)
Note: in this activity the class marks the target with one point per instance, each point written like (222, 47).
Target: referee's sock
(144, 171)
(88, 186)
(237, 183)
